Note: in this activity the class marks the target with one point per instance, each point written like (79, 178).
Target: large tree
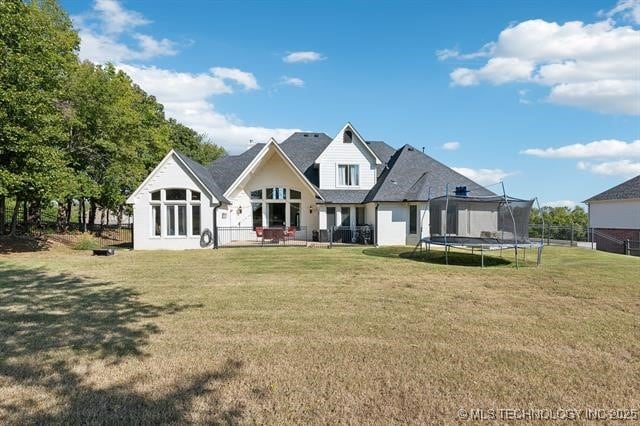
(193, 144)
(37, 49)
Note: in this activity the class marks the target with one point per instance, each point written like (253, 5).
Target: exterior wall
(605, 244)
(339, 152)
(393, 223)
(271, 172)
(170, 175)
(623, 214)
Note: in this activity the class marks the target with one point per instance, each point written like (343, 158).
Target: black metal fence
(72, 234)
(247, 236)
(559, 234)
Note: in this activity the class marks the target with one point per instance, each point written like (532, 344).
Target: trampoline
(480, 223)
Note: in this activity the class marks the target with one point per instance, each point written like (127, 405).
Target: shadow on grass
(437, 257)
(41, 314)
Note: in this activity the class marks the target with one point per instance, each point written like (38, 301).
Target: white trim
(131, 199)
(360, 138)
(256, 160)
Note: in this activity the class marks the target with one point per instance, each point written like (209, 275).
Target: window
(182, 220)
(257, 214)
(347, 137)
(294, 214)
(155, 195)
(346, 216)
(195, 196)
(171, 220)
(256, 195)
(195, 220)
(276, 193)
(176, 195)
(277, 214)
(348, 174)
(156, 220)
(360, 216)
(413, 219)
(295, 195)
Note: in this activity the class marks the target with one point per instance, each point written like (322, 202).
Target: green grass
(297, 335)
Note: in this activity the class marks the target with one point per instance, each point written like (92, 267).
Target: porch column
(352, 217)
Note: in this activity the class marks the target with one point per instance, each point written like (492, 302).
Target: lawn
(302, 335)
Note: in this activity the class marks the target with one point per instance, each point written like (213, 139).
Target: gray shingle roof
(405, 175)
(344, 196)
(411, 175)
(204, 175)
(625, 191)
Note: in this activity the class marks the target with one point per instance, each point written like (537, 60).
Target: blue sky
(545, 95)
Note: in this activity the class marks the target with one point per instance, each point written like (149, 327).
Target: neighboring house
(309, 181)
(615, 213)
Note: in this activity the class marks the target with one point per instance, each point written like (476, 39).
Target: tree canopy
(70, 129)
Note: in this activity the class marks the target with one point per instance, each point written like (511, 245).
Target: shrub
(86, 243)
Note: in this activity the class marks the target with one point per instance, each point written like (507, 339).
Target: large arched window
(175, 212)
(276, 206)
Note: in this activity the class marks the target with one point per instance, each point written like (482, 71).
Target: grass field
(303, 335)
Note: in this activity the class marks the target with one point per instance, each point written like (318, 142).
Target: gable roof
(406, 174)
(411, 175)
(204, 175)
(355, 133)
(625, 191)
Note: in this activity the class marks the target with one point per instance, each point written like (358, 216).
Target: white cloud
(103, 32)
(592, 66)
(304, 57)
(629, 9)
(570, 204)
(451, 146)
(246, 79)
(483, 176)
(597, 149)
(187, 98)
(291, 81)
(624, 168)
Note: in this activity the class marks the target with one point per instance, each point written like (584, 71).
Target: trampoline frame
(483, 246)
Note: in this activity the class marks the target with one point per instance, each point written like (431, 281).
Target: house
(310, 182)
(614, 216)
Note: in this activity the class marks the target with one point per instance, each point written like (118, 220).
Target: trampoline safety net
(479, 220)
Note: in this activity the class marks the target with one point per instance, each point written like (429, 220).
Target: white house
(615, 213)
(310, 183)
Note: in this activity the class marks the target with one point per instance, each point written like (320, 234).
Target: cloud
(597, 149)
(623, 168)
(593, 66)
(451, 146)
(291, 81)
(629, 9)
(105, 30)
(246, 79)
(304, 57)
(484, 176)
(187, 98)
(561, 203)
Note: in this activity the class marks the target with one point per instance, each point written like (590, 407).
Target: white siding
(339, 152)
(393, 223)
(170, 175)
(624, 214)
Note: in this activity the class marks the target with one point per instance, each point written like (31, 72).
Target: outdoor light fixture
(240, 210)
(310, 209)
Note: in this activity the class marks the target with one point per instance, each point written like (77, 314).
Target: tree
(192, 144)
(37, 49)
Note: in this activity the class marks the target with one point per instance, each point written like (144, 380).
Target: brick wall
(604, 244)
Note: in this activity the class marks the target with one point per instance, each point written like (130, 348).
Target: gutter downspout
(375, 243)
(215, 226)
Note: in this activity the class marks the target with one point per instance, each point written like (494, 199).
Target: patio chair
(290, 232)
(259, 230)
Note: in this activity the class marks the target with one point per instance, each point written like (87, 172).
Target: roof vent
(462, 191)
(306, 135)
(347, 136)
(315, 135)
(410, 148)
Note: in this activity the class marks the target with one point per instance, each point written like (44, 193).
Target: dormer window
(348, 175)
(347, 136)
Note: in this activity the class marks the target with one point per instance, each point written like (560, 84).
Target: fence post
(627, 249)
(571, 234)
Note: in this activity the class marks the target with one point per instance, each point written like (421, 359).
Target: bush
(86, 243)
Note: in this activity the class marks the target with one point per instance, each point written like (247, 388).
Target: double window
(181, 208)
(348, 175)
